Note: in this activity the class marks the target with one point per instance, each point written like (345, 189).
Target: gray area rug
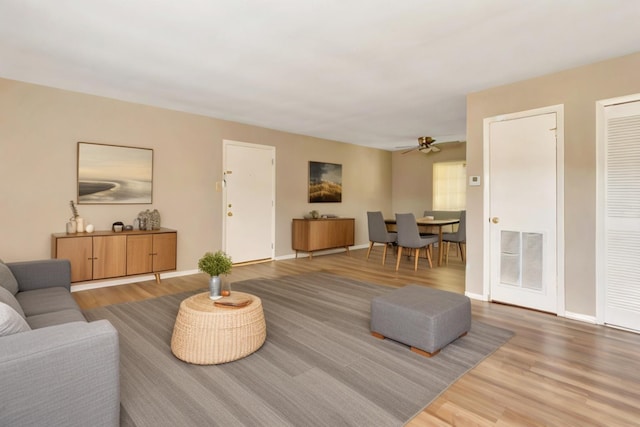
(318, 367)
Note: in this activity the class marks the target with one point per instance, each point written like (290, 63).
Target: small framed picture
(325, 182)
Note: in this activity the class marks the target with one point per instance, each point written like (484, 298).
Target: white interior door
(523, 211)
(619, 255)
(249, 201)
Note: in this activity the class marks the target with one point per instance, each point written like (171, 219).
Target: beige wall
(578, 89)
(412, 184)
(39, 131)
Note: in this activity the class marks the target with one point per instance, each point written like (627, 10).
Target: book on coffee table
(234, 301)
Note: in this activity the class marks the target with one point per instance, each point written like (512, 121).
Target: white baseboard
(581, 317)
(85, 286)
(478, 297)
(364, 246)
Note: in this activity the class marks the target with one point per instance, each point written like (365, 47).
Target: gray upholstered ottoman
(425, 319)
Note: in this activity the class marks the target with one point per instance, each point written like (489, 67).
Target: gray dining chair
(378, 233)
(409, 237)
(424, 215)
(443, 214)
(459, 237)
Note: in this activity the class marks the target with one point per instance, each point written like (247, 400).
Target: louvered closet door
(622, 215)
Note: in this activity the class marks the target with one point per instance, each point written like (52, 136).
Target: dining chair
(441, 215)
(378, 233)
(459, 237)
(430, 213)
(409, 237)
(425, 215)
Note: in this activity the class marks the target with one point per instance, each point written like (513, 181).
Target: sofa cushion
(7, 297)
(7, 279)
(56, 318)
(39, 274)
(46, 300)
(11, 322)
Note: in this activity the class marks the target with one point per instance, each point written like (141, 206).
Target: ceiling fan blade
(413, 149)
(450, 142)
(435, 148)
(427, 144)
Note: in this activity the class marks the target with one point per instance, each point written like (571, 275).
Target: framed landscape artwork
(325, 182)
(113, 174)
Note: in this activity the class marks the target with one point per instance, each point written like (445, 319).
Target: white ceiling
(378, 73)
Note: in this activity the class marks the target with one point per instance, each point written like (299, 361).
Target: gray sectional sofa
(56, 369)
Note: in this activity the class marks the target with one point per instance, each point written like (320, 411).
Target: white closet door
(622, 215)
(524, 210)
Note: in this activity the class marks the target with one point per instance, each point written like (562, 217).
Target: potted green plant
(215, 264)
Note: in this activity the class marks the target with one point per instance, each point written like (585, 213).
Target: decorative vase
(79, 224)
(144, 220)
(215, 287)
(154, 217)
(71, 226)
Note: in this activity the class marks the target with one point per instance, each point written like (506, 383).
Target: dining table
(428, 225)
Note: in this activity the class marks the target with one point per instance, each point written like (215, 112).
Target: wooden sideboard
(309, 235)
(107, 254)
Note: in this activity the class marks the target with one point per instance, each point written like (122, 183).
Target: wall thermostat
(474, 181)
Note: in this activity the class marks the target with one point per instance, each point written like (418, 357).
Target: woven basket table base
(206, 334)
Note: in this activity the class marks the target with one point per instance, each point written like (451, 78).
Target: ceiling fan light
(425, 140)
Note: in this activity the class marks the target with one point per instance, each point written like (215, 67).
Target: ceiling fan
(426, 144)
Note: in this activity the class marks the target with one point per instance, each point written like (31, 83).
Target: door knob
(495, 220)
(229, 213)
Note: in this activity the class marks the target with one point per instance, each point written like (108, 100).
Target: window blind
(449, 186)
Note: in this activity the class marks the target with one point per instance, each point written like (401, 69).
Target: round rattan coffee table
(208, 334)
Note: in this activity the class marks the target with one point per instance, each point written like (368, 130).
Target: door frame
(486, 229)
(225, 143)
(600, 200)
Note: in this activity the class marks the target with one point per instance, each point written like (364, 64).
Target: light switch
(474, 181)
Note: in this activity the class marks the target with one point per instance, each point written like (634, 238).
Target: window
(449, 186)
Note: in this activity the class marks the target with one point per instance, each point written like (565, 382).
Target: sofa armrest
(46, 273)
(61, 375)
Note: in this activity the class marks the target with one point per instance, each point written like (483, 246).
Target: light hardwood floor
(553, 372)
